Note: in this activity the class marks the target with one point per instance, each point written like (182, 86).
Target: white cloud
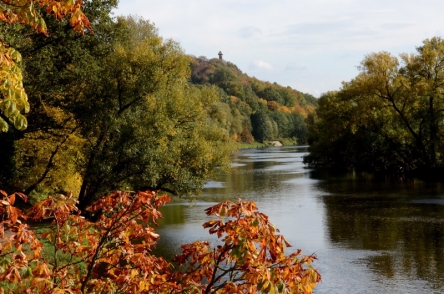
(261, 65)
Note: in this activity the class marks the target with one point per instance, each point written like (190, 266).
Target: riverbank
(268, 143)
(370, 235)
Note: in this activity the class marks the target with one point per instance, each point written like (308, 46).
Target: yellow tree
(13, 98)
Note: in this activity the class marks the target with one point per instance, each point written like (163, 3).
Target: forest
(124, 108)
(102, 121)
(250, 109)
(388, 119)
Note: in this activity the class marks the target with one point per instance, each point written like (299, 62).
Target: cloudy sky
(310, 45)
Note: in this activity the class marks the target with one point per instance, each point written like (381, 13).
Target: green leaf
(20, 122)
(16, 56)
(281, 286)
(3, 125)
(260, 285)
(272, 289)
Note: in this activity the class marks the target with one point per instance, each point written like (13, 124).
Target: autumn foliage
(13, 98)
(111, 251)
(250, 257)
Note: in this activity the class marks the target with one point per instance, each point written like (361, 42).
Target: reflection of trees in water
(173, 214)
(256, 178)
(167, 246)
(406, 232)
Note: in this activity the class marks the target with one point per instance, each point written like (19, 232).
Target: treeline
(389, 118)
(123, 108)
(109, 110)
(114, 110)
(250, 109)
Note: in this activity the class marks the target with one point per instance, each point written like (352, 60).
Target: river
(370, 235)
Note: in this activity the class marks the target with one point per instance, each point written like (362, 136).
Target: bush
(111, 251)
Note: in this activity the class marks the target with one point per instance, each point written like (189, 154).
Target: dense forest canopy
(389, 118)
(252, 108)
(109, 110)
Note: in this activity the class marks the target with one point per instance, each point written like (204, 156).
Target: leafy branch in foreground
(113, 253)
(13, 98)
(250, 257)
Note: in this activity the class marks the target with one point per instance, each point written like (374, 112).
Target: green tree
(241, 93)
(283, 122)
(13, 99)
(146, 126)
(389, 117)
(132, 109)
(271, 94)
(300, 129)
(263, 128)
(45, 155)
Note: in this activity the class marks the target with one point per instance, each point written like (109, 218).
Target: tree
(45, 156)
(242, 94)
(113, 254)
(145, 125)
(251, 257)
(110, 126)
(246, 136)
(13, 100)
(271, 94)
(110, 255)
(262, 126)
(284, 123)
(300, 129)
(389, 116)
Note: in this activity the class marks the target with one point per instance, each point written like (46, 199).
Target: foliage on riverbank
(111, 251)
(124, 108)
(254, 144)
(117, 110)
(387, 119)
(112, 110)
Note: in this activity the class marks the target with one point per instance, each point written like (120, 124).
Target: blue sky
(310, 45)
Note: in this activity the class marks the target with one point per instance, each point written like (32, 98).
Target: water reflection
(371, 235)
(403, 222)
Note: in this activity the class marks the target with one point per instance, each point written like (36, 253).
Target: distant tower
(220, 55)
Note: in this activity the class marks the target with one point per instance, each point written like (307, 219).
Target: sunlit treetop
(27, 12)
(13, 98)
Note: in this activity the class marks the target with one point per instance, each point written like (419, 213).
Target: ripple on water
(369, 236)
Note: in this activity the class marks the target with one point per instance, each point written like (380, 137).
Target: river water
(370, 235)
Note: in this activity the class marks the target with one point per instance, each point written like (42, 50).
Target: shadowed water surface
(370, 235)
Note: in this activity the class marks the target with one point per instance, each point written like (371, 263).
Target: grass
(242, 145)
(284, 141)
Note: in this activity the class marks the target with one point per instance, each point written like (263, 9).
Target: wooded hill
(251, 108)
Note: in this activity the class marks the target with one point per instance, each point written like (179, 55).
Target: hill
(250, 109)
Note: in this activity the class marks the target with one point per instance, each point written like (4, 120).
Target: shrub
(110, 252)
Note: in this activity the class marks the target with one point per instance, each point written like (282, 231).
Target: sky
(311, 45)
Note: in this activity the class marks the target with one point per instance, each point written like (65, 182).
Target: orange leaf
(12, 199)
